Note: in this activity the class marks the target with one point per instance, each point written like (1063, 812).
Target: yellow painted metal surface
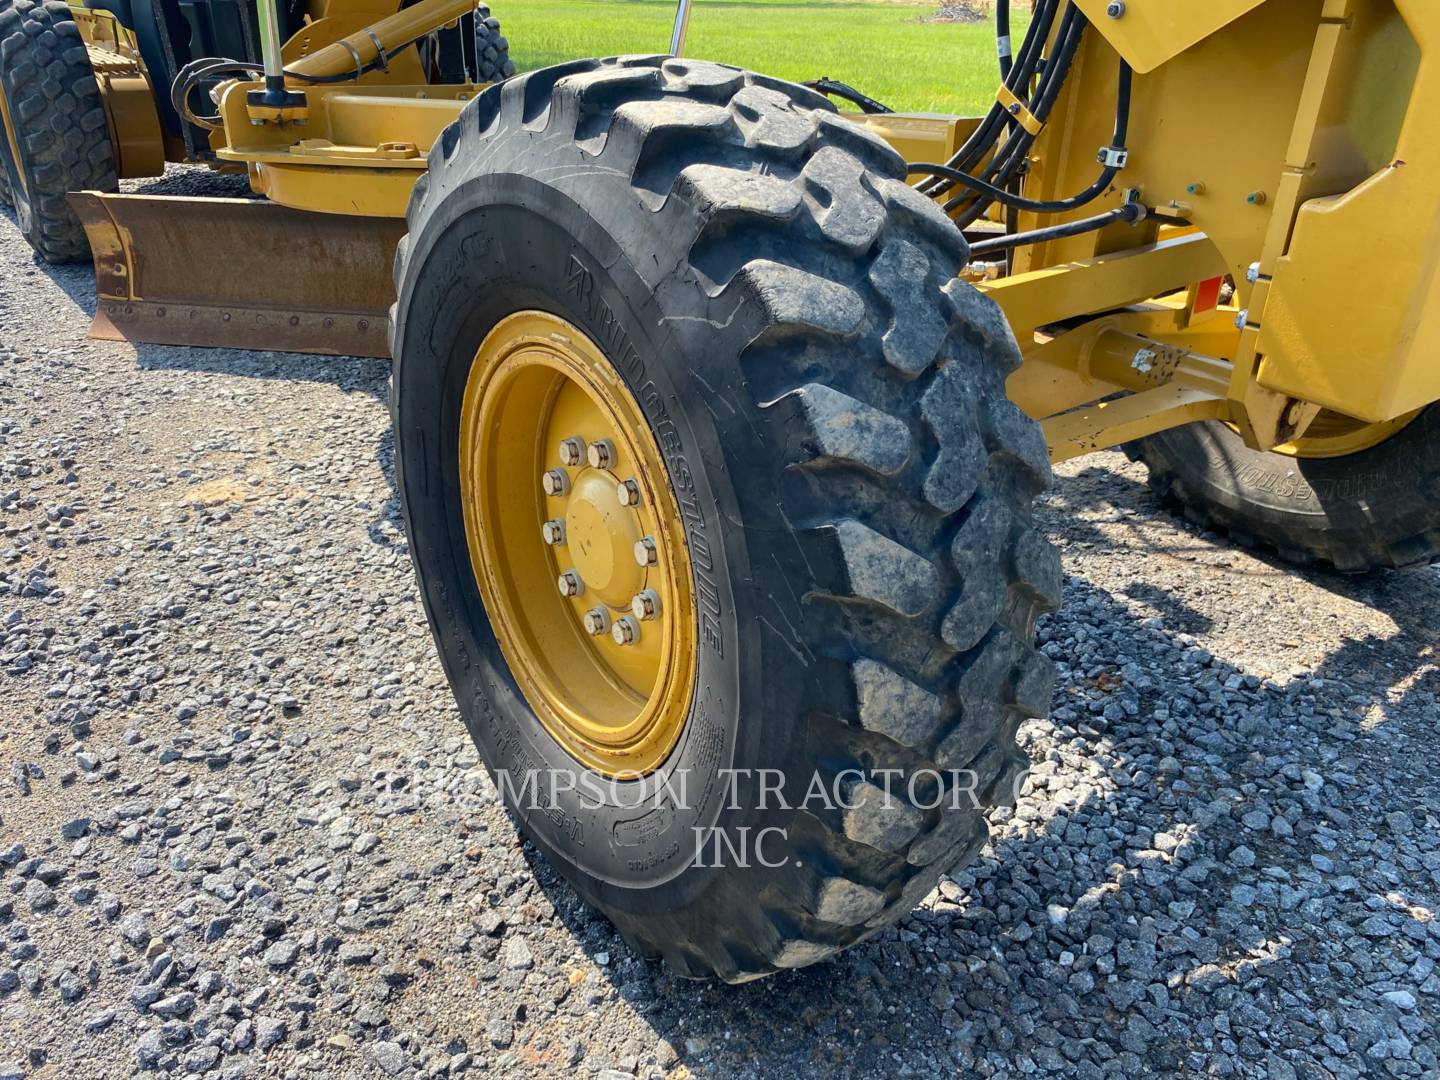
(365, 43)
(1351, 319)
(1150, 32)
(359, 152)
(602, 646)
(125, 93)
(918, 136)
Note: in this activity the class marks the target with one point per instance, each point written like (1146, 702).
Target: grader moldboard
(714, 439)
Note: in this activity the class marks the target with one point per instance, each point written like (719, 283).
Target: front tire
(56, 140)
(855, 487)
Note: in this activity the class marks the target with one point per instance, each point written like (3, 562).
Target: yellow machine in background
(719, 413)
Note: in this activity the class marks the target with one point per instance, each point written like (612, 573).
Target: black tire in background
(1376, 509)
(54, 105)
(783, 307)
(492, 51)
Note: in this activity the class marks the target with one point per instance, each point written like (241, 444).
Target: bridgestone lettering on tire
(856, 486)
(59, 122)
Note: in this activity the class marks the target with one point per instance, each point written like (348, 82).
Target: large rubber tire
(857, 486)
(1368, 511)
(64, 143)
(492, 51)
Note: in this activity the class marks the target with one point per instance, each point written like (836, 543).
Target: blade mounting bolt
(628, 492)
(596, 621)
(601, 454)
(570, 584)
(646, 553)
(553, 531)
(626, 631)
(572, 451)
(646, 605)
(554, 482)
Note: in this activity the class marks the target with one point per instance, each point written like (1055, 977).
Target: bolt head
(1116, 10)
(646, 553)
(596, 621)
(572, 451)
(553, 531)
(646, 605)
(601, 454)
(554, 482)
(625, 631)
(570, 584)
(628, 492)
(1242, 319)
(1252, 273)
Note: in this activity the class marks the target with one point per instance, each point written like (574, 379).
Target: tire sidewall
(503, 243)
(1383, 495)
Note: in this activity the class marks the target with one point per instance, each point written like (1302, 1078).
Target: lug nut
(646, 604)
(554, 482)
(601, 454)
(626, 631)
(570, 584)
(628, 492)
(596, 621)
(646, 554)
(553, 531)
(572, 451)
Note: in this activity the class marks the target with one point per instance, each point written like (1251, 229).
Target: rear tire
(1372, 510)
(857, 487)
(59, 125)
(492, 51)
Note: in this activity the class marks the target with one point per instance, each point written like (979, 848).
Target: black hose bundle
(990, 164)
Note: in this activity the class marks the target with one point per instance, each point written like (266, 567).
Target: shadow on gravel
(1132, 913)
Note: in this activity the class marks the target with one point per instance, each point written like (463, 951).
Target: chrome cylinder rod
(682, 27)
(270, 44)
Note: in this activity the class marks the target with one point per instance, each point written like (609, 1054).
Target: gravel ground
(242, 832)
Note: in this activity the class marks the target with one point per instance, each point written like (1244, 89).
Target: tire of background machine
(857, 486)
(1376, 509)
(492, 51)
(60, 124)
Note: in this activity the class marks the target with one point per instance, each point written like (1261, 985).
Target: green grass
(881, 49)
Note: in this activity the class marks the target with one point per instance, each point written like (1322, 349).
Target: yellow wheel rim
(565, 492)
(1333, 435)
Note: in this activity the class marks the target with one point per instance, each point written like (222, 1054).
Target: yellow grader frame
(1267, 137)
(719, 414)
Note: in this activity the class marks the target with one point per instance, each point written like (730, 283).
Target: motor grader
(719, 410)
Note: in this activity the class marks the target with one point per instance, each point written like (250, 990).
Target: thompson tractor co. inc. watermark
(924, 790)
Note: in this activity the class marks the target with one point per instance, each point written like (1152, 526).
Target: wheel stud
(628, 492)
(596, 621)
(626, 631)
(601, 454)
(553, 531)
(570, 584)
(572, 451)
(646, 604)
(554, 482)
(646, 554)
